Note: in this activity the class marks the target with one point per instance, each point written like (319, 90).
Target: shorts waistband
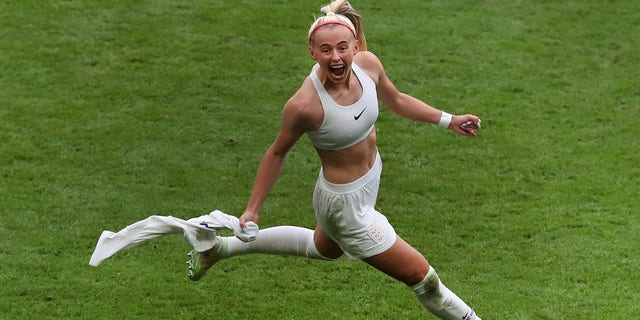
(373, 173)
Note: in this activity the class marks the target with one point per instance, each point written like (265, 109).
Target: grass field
(111, 111)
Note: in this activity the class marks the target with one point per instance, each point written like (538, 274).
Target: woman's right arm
(294, 125)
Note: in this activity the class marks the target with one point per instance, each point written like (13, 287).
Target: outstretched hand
(466, 125)
(248, 216)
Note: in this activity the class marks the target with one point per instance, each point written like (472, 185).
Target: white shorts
(347, 215)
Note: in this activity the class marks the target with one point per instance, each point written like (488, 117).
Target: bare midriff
(349, 164)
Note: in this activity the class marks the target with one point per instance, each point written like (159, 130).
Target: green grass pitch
(111, 111)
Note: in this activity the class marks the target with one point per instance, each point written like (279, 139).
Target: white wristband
(445, 120)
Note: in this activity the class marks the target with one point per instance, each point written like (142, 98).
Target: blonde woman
(336, 107)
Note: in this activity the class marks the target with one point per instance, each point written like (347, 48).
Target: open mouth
(338, 70)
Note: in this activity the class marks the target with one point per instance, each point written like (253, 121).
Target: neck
(347, 83)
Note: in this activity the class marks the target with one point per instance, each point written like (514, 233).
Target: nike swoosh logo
(359, 114)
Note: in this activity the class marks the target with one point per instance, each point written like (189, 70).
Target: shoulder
(304, 109)
(366, 58)
(370, 63)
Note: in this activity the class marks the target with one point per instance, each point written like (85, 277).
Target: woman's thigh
(325, 245)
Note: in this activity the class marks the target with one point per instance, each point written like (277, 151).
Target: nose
(334, 55)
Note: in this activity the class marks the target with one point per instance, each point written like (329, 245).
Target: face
(333, 47)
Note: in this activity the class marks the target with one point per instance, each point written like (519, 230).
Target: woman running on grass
(337, 106)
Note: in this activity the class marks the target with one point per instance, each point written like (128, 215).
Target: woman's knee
(416, 273)
(402, 262)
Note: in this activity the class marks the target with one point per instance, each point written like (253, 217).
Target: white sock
(281, 240)
(441, 301)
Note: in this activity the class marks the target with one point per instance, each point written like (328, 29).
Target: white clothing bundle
(199, 232)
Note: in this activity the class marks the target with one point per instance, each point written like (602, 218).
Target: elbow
(276, 154)
(395, 103)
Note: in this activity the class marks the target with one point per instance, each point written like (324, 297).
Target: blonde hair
(341, 12)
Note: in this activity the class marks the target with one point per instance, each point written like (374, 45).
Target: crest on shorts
(376, 233)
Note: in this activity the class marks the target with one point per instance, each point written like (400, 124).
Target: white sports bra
(344, 126)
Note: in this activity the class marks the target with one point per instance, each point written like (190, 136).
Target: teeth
(338, 67)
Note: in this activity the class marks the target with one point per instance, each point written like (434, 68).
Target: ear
(312, 53)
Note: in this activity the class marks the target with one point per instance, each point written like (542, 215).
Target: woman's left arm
(411, 107)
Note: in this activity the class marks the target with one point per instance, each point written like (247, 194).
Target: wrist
(445, 120)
